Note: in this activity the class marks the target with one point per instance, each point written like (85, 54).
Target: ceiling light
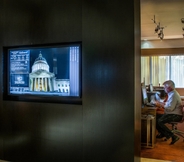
(182, 20)
(161, 34)
(159, 29)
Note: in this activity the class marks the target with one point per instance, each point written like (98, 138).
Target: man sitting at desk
(172, 112)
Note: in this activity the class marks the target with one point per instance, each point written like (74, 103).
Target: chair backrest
(174, 124)
(182, 107)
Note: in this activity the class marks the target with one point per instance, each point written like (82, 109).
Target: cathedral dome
(40, 63)
(40, 58)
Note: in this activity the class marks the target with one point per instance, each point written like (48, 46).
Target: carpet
(153, 160)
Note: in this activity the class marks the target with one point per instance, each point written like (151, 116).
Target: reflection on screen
(151, 87)
(144, 95)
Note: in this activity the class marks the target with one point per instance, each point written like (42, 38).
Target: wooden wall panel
(162, 51)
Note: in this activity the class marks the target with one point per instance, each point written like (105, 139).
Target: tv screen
(44, 73)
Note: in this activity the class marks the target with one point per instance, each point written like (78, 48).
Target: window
(157, 69)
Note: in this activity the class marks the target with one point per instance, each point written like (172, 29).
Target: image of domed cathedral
(42, 80)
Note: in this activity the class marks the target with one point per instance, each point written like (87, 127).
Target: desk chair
(174, 126)
(175, 129)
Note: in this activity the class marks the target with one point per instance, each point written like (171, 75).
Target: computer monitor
(151, 87)
(144, 95)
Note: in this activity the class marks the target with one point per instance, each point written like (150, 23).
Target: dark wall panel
(35, 22)
(40, 131)
(108, 47)
(102, 128)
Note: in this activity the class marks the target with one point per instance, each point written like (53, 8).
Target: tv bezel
(39, 98)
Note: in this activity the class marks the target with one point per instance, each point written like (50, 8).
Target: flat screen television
(43, 73)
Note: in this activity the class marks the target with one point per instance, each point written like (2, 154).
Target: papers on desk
(152, 99)
(155, 98)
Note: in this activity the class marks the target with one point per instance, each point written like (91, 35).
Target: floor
(164, 151)
(142, 160)
(154, 160)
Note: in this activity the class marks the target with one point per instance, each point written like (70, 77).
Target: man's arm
(160, 104)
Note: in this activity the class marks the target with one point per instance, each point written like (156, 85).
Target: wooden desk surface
(149, 107)
(149, 111)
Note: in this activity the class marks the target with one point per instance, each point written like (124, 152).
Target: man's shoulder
(174, 94)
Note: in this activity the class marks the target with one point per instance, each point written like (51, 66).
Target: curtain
(177, 70)
(145, 70)
(155, 69)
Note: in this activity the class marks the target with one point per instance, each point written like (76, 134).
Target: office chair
(175, 129)
(174, 126)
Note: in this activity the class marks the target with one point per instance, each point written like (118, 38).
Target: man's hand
(160, 107)
(159, 104)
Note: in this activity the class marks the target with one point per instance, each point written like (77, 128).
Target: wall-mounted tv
(43, 73)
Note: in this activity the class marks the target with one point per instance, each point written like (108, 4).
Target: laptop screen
(144, 95)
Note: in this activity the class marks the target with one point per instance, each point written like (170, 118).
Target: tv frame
(39, 98)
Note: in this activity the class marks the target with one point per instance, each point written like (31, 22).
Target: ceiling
(168, 12)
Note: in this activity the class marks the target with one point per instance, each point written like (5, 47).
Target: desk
(149, 111)
(148, 127)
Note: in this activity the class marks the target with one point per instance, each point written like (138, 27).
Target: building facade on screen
(41, 79)
(45, 71)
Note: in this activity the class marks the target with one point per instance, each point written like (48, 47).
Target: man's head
(169, 86)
